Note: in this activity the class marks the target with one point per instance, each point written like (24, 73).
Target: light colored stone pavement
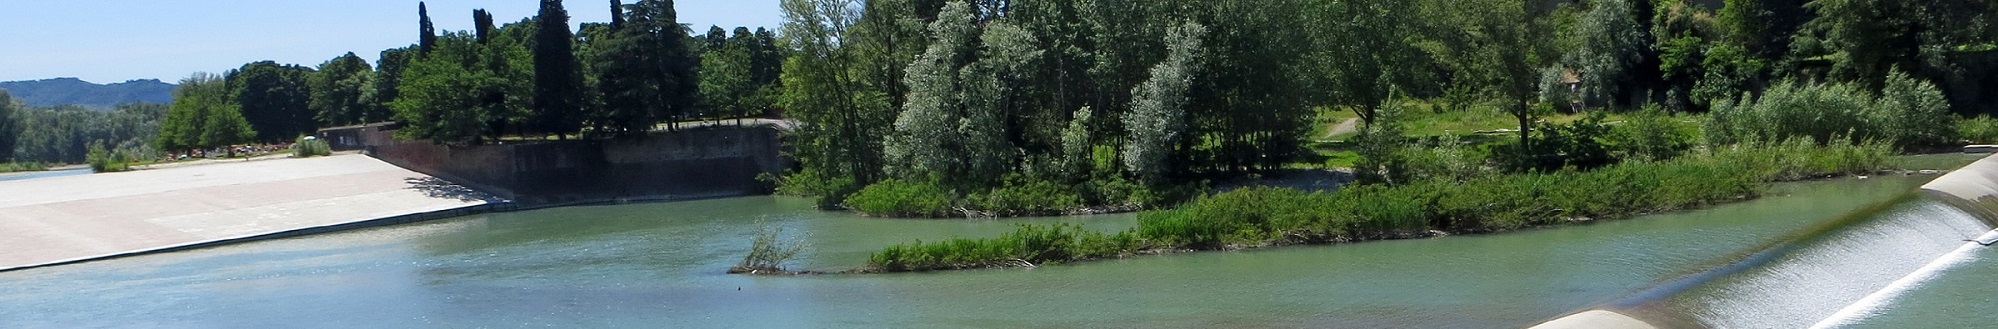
(70, 218)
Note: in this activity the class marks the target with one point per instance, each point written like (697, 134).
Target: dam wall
(699, 163)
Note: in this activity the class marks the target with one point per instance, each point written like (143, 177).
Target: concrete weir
(61, 220)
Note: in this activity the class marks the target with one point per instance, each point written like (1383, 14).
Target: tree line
(979, 95)
(66, 133)
(534, 78)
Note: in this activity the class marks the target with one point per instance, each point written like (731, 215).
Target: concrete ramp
(1595, 319)
(58, 220)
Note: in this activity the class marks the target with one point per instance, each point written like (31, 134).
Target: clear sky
(115, 41)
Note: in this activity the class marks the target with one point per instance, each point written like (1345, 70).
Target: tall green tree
(10, 128)
(1505, 46)
(927, 138)
(443, 93)
(727, 83)
(557, 78)
(1366, 52)
(388, 81)
(339, 91)
(1156, 122)
(204, 115)
(655, 26)
(846, 117)
(1613, 46)
(427, 37)
(275, 99)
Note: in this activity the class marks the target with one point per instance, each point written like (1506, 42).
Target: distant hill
(73, 91)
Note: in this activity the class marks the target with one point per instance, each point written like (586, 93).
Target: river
(662, 264)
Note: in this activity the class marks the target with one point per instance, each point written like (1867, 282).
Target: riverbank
(59, 220)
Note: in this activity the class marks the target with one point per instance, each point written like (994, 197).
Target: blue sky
(115, 41)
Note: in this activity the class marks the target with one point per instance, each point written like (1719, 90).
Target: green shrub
(902, 198)
(107, 160)
(1027, 197)
(831, 190)
(1982, 129)
(1029, 245)
(307, 146)
(1916, 112)
(768, 252)
(23, 166)
(1909, 112)
(1651, 135)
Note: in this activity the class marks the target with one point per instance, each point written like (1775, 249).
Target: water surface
(662, 264)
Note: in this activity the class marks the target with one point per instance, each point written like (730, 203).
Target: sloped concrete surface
(73, 218)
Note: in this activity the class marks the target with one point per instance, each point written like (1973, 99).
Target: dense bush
(306, 147)
(1911, 112)
(1264, 216)
(22, 166)
(1982, 129)
(1916, 112)
(903, 198)
(1026, 197)
(1030, 245)
(1651, 135)
(105, 160)
(831, 190)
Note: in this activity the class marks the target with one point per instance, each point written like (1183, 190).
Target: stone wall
(693, 164)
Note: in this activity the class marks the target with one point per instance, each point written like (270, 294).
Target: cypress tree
(482, 22)
(428, 39)
(556, 78)
(617, 14)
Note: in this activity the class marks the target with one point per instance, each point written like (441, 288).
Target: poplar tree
(1157, 120)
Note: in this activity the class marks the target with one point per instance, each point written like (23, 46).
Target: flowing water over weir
(1791, 259)
(1842, 273)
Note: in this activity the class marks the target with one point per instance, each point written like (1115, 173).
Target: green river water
(661, 265)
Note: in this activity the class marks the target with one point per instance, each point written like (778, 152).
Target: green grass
(22, 166)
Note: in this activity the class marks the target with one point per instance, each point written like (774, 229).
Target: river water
(662, 264)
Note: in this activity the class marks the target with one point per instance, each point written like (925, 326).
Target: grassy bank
(22, 167)
(1262, 217)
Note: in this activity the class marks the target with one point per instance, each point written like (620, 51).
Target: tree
(338, 91)
(274, 98)
(1762, 27)
(10, 129)
(1157, 118)
(845, 118)
(427, 39)
(444, 93)
(927, 138)
(1869, 38)
(557, 79)
(204, 115)
(388, 81)
(646, 73)
(726, 81)
(1366, 54)
(1613, 45)
(1506, 46)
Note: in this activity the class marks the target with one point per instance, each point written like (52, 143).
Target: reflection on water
(43, 174)
(652, 265)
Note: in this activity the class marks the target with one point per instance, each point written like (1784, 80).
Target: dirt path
(1350, 126)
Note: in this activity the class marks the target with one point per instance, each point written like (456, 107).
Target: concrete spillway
(57, 220)
(1829, 276)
